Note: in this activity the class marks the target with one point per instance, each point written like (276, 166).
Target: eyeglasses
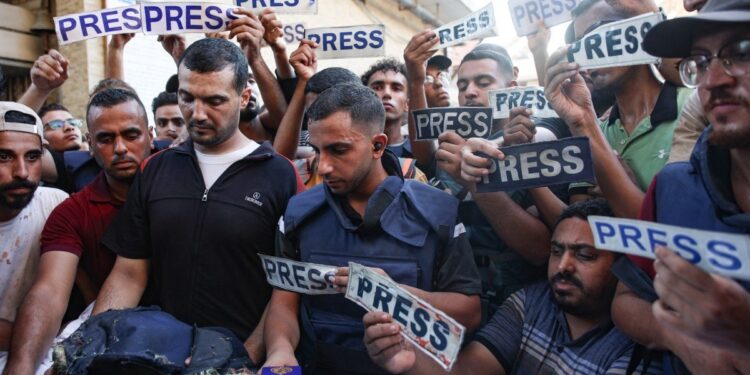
(442, 77)
(734, 59)
(59, 124)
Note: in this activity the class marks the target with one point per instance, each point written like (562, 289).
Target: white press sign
(725, 254)
(348, 41)
(300, 277)
(532, 97)
(431, 330)
(615, 44)
(526, 13)
(281, 6)
(479, 24)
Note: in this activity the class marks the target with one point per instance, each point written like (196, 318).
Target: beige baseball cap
(9, 123)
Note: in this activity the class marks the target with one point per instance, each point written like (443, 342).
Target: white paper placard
(81, 26)
(281, 6)
(526, 13)
(532, 97)
(300, 277)
(348, 41)
(180, 18)
(479, 24)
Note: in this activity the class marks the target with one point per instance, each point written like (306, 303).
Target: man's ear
(379, 144)
(515, 73)
(245, 97)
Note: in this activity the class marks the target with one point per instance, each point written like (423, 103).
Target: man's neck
(359, 197)
(740, 172)
(118, 189)
(7, 214)
(393, 131)
(637, 98)
(234, 143)
(579, 325)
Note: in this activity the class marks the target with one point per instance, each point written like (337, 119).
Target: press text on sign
(479, 24)
(526, 13)
(540, 164)
(615, 44)
(348, 41)
(300, 277)
(724, 254)
(173, 18)
(281, 6)
(80, 26)
(431, 330)
(468, 122)
(532, 97)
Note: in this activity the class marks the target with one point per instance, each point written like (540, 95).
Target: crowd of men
(111, 212)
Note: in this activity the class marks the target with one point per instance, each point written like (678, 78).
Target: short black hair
(111, 97)
(362, 104)
(164, 98)
(173, 84)
(329, 77)
(52, 107)
(504, 64)
(110, 83)
(584, 209)
(213, 55)
(383, 65)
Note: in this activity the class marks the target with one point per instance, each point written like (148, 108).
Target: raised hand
(567, 92)
(174, 45)
(385, 345)
(249, 32)
(274, 29)
(119, 41)
(304, 60)
(418, 51)
(474, 167)
(49, 71)
(520, 129)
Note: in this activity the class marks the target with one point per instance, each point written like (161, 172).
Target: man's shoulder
(48, 198)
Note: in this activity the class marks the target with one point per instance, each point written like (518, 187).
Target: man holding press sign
(367, 213)
(701, 318)
(559, 326)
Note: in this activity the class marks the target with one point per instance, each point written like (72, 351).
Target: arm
(115, 55)
(41, 313)
(549, 205)
(6, 331)
(391, 351)
(124, 285)
(538, 43)
(174, 44)
(49, 72)
(282, 328)
(571, 99)
(464, 308)
(254, 345)
(633, 316)
(249, 32)
(416, 54)
(274, 36)
(305, 64)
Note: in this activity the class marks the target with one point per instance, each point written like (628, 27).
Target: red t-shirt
(77, 226)
(648, 213)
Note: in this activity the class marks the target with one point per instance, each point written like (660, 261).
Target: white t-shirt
(19, 249)
(212, 166)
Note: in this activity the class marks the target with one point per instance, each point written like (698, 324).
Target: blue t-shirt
(529, 335)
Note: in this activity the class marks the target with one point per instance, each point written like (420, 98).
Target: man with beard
(170, 126)
(640, 125)
(561, 326)
(700, 317)
(368, 213)
(198, 215)
(24, 208)
(71, 248)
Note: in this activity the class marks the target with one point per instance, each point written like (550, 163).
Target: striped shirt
(529, 335)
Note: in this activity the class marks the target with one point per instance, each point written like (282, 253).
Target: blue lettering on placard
(653, 240)
(685, 244)
(630, 233)
(377, 39)
(360, 37)
(230, 16)
(213, 13)
(314, 37)
(173, 14)
(419, 325)
(108, 21)
(604, 230)
(400, 310)
(329, 42)
(440, 331)
(300, 31)
(722, 255)
(382, 298)
(151, 15)
(364, 286)
(134, 18)
(317, 282)
(613, 42)
(190, 16)
(299, 278)
(89, 20)
(284, 273)
(270, 266)
(631, 39)
(64, 25)
(346, 40)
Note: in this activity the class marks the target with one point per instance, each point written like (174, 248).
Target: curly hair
(383, 65)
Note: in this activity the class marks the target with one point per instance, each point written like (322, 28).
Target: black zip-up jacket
(203, 243)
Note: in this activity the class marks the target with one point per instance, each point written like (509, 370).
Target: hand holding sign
(416, 53)
(174, 45)
(119, 41)
(704, 306)
(249, 32)
(303, 60)
(448, 155)
(385, 344)
(341, 278)
(274, 33)
(49, 71)
(520, 129)
(474, 167)
(567, 92)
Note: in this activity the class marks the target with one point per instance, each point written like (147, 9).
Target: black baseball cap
(439, 61)
(674, 38)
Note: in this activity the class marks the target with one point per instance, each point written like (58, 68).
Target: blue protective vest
(405, 240)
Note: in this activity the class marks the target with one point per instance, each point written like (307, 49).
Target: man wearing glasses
(61, 129)
(437, 80)
(701, 318)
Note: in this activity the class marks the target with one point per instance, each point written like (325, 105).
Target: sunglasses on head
(59, 124)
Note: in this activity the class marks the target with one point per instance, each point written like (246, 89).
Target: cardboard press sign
(468, 122)
(149, 18)
(526, 13)
(540, 164)
(281, 6)
(532, 97)
(477, 25)
(429, 329)
(300, 277)
(725, 254)
(349, 41)
(615, 44)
